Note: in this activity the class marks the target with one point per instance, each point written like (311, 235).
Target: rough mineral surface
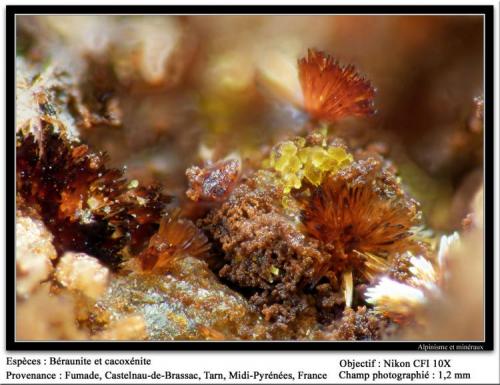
(34, 252)
(190, 304)
(128, 328)
(357, 325)
(81, 272)
(266, 254)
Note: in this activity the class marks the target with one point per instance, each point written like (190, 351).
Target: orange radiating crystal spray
(362, 217)
(175, 239)
(332, 92)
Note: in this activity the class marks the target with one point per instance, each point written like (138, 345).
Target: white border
(482, 365)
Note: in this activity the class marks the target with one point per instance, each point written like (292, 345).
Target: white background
(483, 366)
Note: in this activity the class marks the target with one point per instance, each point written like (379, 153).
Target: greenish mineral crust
(188, 304)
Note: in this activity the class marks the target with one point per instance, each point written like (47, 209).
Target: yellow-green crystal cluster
(294, 161)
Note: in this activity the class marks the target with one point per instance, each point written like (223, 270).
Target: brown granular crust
(399, 269)
(87, 206)
(360, 325)
(265, 253)
(329, 303)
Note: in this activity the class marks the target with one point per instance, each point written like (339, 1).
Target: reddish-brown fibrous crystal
(88, 207)
(362, 217)
(332, 92)
(176, 238)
